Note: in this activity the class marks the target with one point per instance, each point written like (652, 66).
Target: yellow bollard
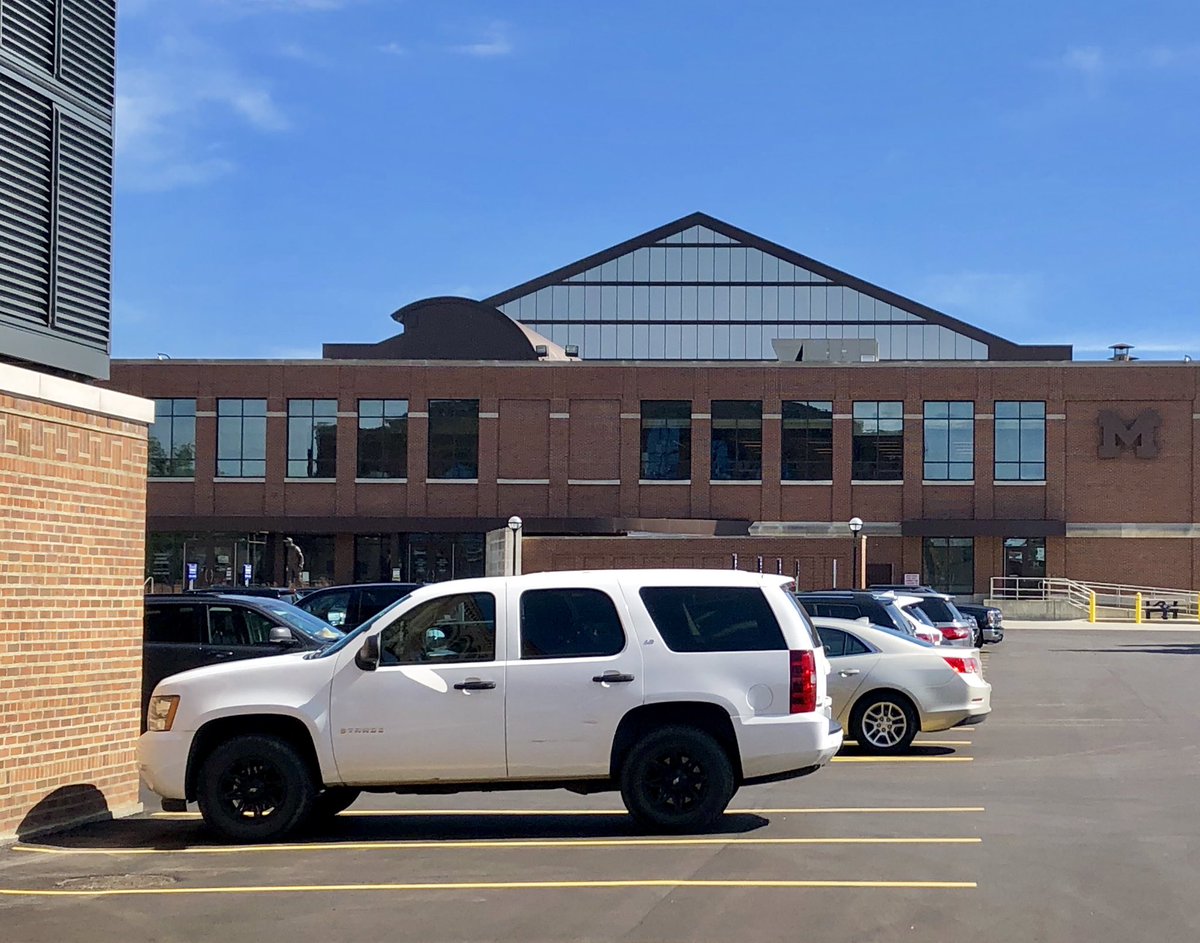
(1137, 611)
(1091, 607)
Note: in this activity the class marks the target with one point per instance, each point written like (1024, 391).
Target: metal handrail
(1108, 600)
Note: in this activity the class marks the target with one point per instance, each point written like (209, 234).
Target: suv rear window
(713, 618)
(936, 609)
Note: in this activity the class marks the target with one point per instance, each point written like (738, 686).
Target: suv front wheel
(677, 779)
(255, 788)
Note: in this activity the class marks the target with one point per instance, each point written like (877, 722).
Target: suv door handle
(474, 684)
(613, 677)
(847, 672)
(223, 653)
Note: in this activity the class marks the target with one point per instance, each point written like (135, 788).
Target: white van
(673, 686)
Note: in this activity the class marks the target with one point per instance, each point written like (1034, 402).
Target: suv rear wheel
(884, 723)
(677, 779)
(255, 788)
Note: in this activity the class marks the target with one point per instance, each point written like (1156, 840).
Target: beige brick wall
(72, 534)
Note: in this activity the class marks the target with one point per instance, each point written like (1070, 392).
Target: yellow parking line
(516, 843)
(924, 743)
(902, 759)
(477, 886)
(413, 813)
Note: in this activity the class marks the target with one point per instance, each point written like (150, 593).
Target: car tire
(885, 722)
(977, 637)
(334, 800)
(677, 779)
(255, 788)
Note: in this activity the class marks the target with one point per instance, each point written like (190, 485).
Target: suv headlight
(161, 712)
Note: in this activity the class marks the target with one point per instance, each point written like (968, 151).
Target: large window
(172, 439)
(382, 438)
(453, 438)
(807, 441)
(878, 442)
(454, 628)
(1025, 556)
(309, 559)
(713, 619)
(666, 440)
(312, 438)
(1021, 441)
(241, 438)
(736, 440)
(949, 441)
(569, 623)
(949, 563)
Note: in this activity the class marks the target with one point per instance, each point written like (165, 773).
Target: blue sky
(291, 171)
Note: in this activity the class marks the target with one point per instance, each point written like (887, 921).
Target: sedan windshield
(300, 620)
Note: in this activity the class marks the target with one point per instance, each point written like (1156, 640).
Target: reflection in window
(382, 438)
(451, 629)
(241, 438)
(312, 438)
(1020, 441)
(453, 438)
(1025, 556)
(172, 439)
(949, 563)
(949, 441)
(878, 447)
(736, 440)
(666, 440)
(807, 441)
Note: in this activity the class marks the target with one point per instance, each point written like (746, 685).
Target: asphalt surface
(1069, 816)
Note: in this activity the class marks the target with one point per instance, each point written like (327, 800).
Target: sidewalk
(1156, 625)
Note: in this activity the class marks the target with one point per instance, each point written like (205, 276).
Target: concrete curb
(1078, 625)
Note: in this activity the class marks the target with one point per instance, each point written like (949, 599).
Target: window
(372, 558)
(713, 618)
(453, 438)
(241, 438)
(736, 440)
(949, 563)
(569, 623)
(839, 643)
(878, 442)
(333, 607)
(1021, 441)
(172, 439)
(172, 625)
(454, 628)
(309, 559)
(312, 438)
(1025, 556)
(382, 438)
(666, 440)
(807, 441)
(835, 610)
(949, 441)
(236, 626)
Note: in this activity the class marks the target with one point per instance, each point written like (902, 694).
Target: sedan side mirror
(281, 635)
(368, 656)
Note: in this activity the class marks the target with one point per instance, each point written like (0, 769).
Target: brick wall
(72, 533)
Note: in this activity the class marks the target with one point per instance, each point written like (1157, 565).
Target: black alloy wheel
(255, 788)
(677, 779)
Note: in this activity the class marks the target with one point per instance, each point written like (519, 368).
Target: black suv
(347, 607)
(880, 608)
(193, 630)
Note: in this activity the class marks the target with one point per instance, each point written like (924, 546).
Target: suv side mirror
(368, 656)
(281, 635)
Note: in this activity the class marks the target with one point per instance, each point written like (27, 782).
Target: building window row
(735, 445)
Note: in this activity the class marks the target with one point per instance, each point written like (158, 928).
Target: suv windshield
(357, 631)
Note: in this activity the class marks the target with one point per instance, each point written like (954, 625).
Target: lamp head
(856, 525)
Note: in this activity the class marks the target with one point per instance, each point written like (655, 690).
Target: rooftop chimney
(1121, 352)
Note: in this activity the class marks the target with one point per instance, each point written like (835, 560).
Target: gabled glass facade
(698, 294)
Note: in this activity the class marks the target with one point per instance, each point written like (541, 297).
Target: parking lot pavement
(1068, 816)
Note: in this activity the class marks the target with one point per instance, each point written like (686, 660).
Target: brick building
(72, 455)
(967, 455)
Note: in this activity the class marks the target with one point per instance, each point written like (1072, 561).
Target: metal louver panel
(27, 29)
(88, 38)
(26, 157)
(84, 228)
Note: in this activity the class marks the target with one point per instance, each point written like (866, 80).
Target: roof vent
(571, 350)
(541, 350)
(1121, 352)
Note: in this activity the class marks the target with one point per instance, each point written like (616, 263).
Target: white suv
(674, 686)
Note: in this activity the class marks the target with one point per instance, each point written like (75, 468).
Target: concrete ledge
(1038, 609)
(17, 381)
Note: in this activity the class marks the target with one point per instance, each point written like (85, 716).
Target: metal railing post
(1137, 612)
(1091, 607)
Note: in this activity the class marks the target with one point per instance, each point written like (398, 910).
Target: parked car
(922, 626)
(347, 607)
(269, 592)
(957, 630)
(674, 686)
(988, 619)
(878, 607)
(887, 687)
(189, 631)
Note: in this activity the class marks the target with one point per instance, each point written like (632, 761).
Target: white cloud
(998, 297)
(393, 49)
(495, 42)
(1087, 60)
(301, 53)
(294, 353)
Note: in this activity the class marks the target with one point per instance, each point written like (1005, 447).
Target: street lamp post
(856, 580)
(514, 524)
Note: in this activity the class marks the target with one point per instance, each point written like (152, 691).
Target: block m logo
(1139, 435)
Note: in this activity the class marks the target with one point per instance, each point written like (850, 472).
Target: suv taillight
(803, 682)
(964, 666)
(953, 632)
